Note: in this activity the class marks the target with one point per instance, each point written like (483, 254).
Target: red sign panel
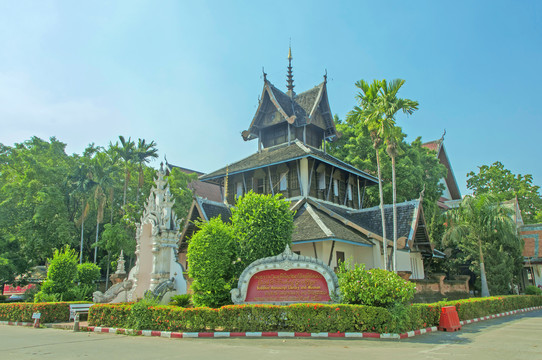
(16, 290)
(296, 285)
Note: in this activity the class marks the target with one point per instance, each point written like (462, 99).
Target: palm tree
(101, 173)
(81, 184)
(370, 115)
(143, 154)
(475, 223)
(388, 105)
(127, 153)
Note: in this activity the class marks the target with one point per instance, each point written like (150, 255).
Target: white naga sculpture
(156, 269)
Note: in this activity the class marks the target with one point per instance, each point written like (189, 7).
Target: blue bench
(76, 309)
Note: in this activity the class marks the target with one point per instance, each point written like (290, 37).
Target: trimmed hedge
(50, 312)
(109, 315)
(242, 318)
(306, 317)
(477, 307)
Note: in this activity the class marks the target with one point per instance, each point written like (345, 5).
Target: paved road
(513, 337)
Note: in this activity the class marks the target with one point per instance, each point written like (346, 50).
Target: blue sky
(188, 74)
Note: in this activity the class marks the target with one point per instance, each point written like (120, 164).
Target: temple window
(349, 192)
(283, 181)
(322, 180)
(239, 190)
(260, 186)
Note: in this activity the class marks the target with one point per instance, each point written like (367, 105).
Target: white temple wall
(145, 262)
(403, 261)
(354, 253)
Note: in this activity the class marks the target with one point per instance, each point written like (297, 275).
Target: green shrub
(427, 314)
(60, 275)
(211, 255)
(50, 312)
(242, 318)
(31, 293)
(478, 307)
(3, 298)
(181, 300)
(46, 298)
(141, 316)
(533, 290)
(249, 317)
(87, 273)
(110, 315)
(263, 225)
(374, 287)
(82, 292)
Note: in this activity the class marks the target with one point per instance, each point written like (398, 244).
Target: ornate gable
(276, 107)
(451, 187)
(285, 116)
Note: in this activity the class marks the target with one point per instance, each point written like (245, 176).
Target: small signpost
(36, 317)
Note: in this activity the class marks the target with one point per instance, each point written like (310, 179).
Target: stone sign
(292, 285)
(284, 279)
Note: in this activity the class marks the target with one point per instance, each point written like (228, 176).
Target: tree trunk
(125, 185)
(107, 272)
(96, 241)
(394, 214)
(81, 246)
(385, 241)
(139, 181)
(483, 279)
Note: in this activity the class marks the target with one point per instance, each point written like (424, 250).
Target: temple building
(327, 194)
(451, 197)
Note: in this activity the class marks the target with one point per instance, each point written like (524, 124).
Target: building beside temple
(532, 254)
(327, 194)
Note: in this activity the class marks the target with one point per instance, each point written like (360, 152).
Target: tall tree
(126, 151)
(378, 108)
(178, 183)
(101, 172)
(81, 184)
(115, 238)
(389, 105)
(479, 226)
(143, 154)
(504, 185)
(368, 115)
(34, 201)
(417, 169)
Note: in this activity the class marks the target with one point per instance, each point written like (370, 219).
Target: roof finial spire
(442, 137)
(290, 76)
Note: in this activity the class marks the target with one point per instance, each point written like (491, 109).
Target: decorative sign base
(284, 279)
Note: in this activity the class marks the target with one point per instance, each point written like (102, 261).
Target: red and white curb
(507, 313)
(179, 335)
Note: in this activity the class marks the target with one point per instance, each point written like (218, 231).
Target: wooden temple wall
(326, 182)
